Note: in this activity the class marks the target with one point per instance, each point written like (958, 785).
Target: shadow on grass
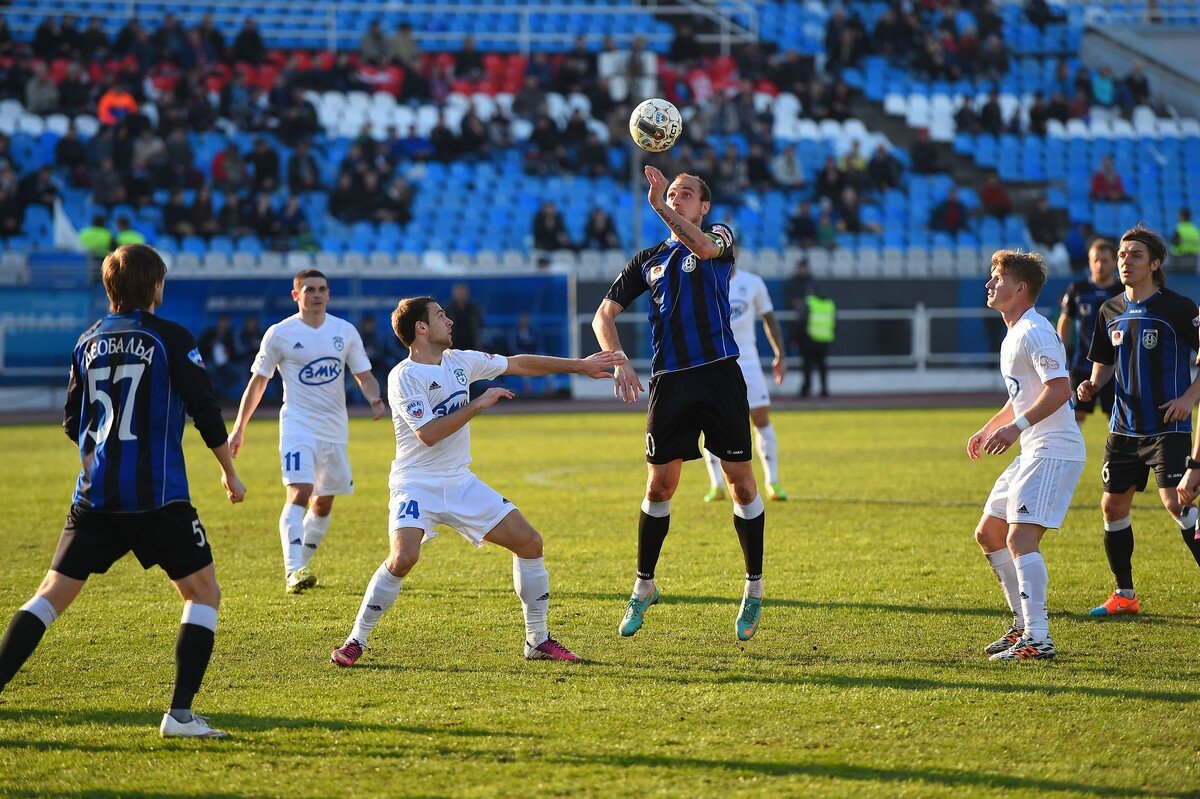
(235, 722)
(850, 771)
(922, 610)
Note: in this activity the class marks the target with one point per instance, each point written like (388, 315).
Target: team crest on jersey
(415, 409)
(689, 264)
(195, 357)
(460, 376)
(1150, 339)
(1014, 386)
(1117, 337)
(737, 308)
(338, 343)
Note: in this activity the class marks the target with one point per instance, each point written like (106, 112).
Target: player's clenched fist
(1087, 389)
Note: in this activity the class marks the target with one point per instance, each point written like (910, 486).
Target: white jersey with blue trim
(312, 362)
(421, 392)
(1032, 353)
(748, 301)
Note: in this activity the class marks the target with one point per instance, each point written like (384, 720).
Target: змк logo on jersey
(321, 371)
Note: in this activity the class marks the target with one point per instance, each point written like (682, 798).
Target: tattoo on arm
(679, 229)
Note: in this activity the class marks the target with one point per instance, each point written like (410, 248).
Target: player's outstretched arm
(234, 489)
(246, 408)
(775, 336)
(692, 237)
(1055, 393)
(626, 385)
(369, 387)
(596, 366)
(441, 427)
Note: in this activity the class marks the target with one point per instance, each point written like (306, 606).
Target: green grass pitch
(865, 679)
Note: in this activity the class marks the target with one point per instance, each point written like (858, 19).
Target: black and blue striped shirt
(1080, 304)
(1151, 344)
(133, 378)
(689, 301)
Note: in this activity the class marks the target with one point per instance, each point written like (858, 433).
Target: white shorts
(322, 463)
(463, 502)
(1035, 491)
(756, 383)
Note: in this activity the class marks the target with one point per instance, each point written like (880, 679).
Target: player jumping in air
(696, 386)
(1034, 493)
(431, 482)
(312, 350)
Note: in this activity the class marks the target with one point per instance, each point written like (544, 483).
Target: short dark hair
(705, 192)
(1027, 267)
(305, 274)
(408, 312)
(131, 273)
(1104, 245)
(1156, 246)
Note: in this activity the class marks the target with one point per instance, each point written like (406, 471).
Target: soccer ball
(655, 125)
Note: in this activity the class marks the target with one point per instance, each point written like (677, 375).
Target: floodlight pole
(634, 191)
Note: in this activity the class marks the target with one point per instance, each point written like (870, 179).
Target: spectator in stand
(344, 204)
(236, 100)
(1059, 108)
(576, 130)
(139, 184)
(786, 169)
(151, 150)
(170, 40)
(93, 42)
(297, 119)
(539, 66)
(926, 159)
(70, 155)
(1039, 115)
(994, 198)
(758, 171)
(108, 187)
(577, 69)
(993, 60)
(41, 92)
(181, 161)
(549, 229)
(801, 229)
(965, 118)
(827, 232)
(950, 215)
(1107, 185)
(229, 169)
(177, 217)
(304, 174)
(12, 213)
(1185, 241)
(730, 177)
(849, 211)
(600, 233)
(246, 342)
(445, 143)
(248, 45)
(529, 101)
(412, 147)
(1103, 87)
(126, 234)
(204, 221)
(884, 169)
(593, 157)
(115, 105)
(853, 167)
(473, 141)
(39, 188)
(890, 37)
(468, 61)
(1040, 14)
(830, 180)
(467, 317)
(47, 43)
(991, 117)
(1079, 106)
(231, 219)
(1043, 225)
(1137, 86)
(398, 201)
(265, 223)
(293, 217)
(75, 91)
(546, 154)
(684, 46)
(216, 349)
(373, 48)
(96, 239)
(265, 162)
(403, 50)
(372, 197)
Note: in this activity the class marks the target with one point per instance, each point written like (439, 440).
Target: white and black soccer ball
(655, 125)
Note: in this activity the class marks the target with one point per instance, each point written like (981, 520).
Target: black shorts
(1128, 461)
(1105, 394)
(709, 399)
(171, 537)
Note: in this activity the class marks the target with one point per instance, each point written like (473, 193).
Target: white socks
(768, 452)
(381, 594)
(754, 588)
(1034, 579)
(200, 615)
(291, 536)
(643, 587)
(715, 475)
(1006, 572)
(315, 528)
(1188, 520)
(531, 581)
(40, 606)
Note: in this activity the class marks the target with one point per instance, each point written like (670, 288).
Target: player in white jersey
(312, 351)
(1034, 493)
(431, 482)
(749, 301)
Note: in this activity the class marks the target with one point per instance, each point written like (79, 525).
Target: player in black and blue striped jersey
(696, 386)
(1144, 341)
(1076, 323)
(134, 377)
